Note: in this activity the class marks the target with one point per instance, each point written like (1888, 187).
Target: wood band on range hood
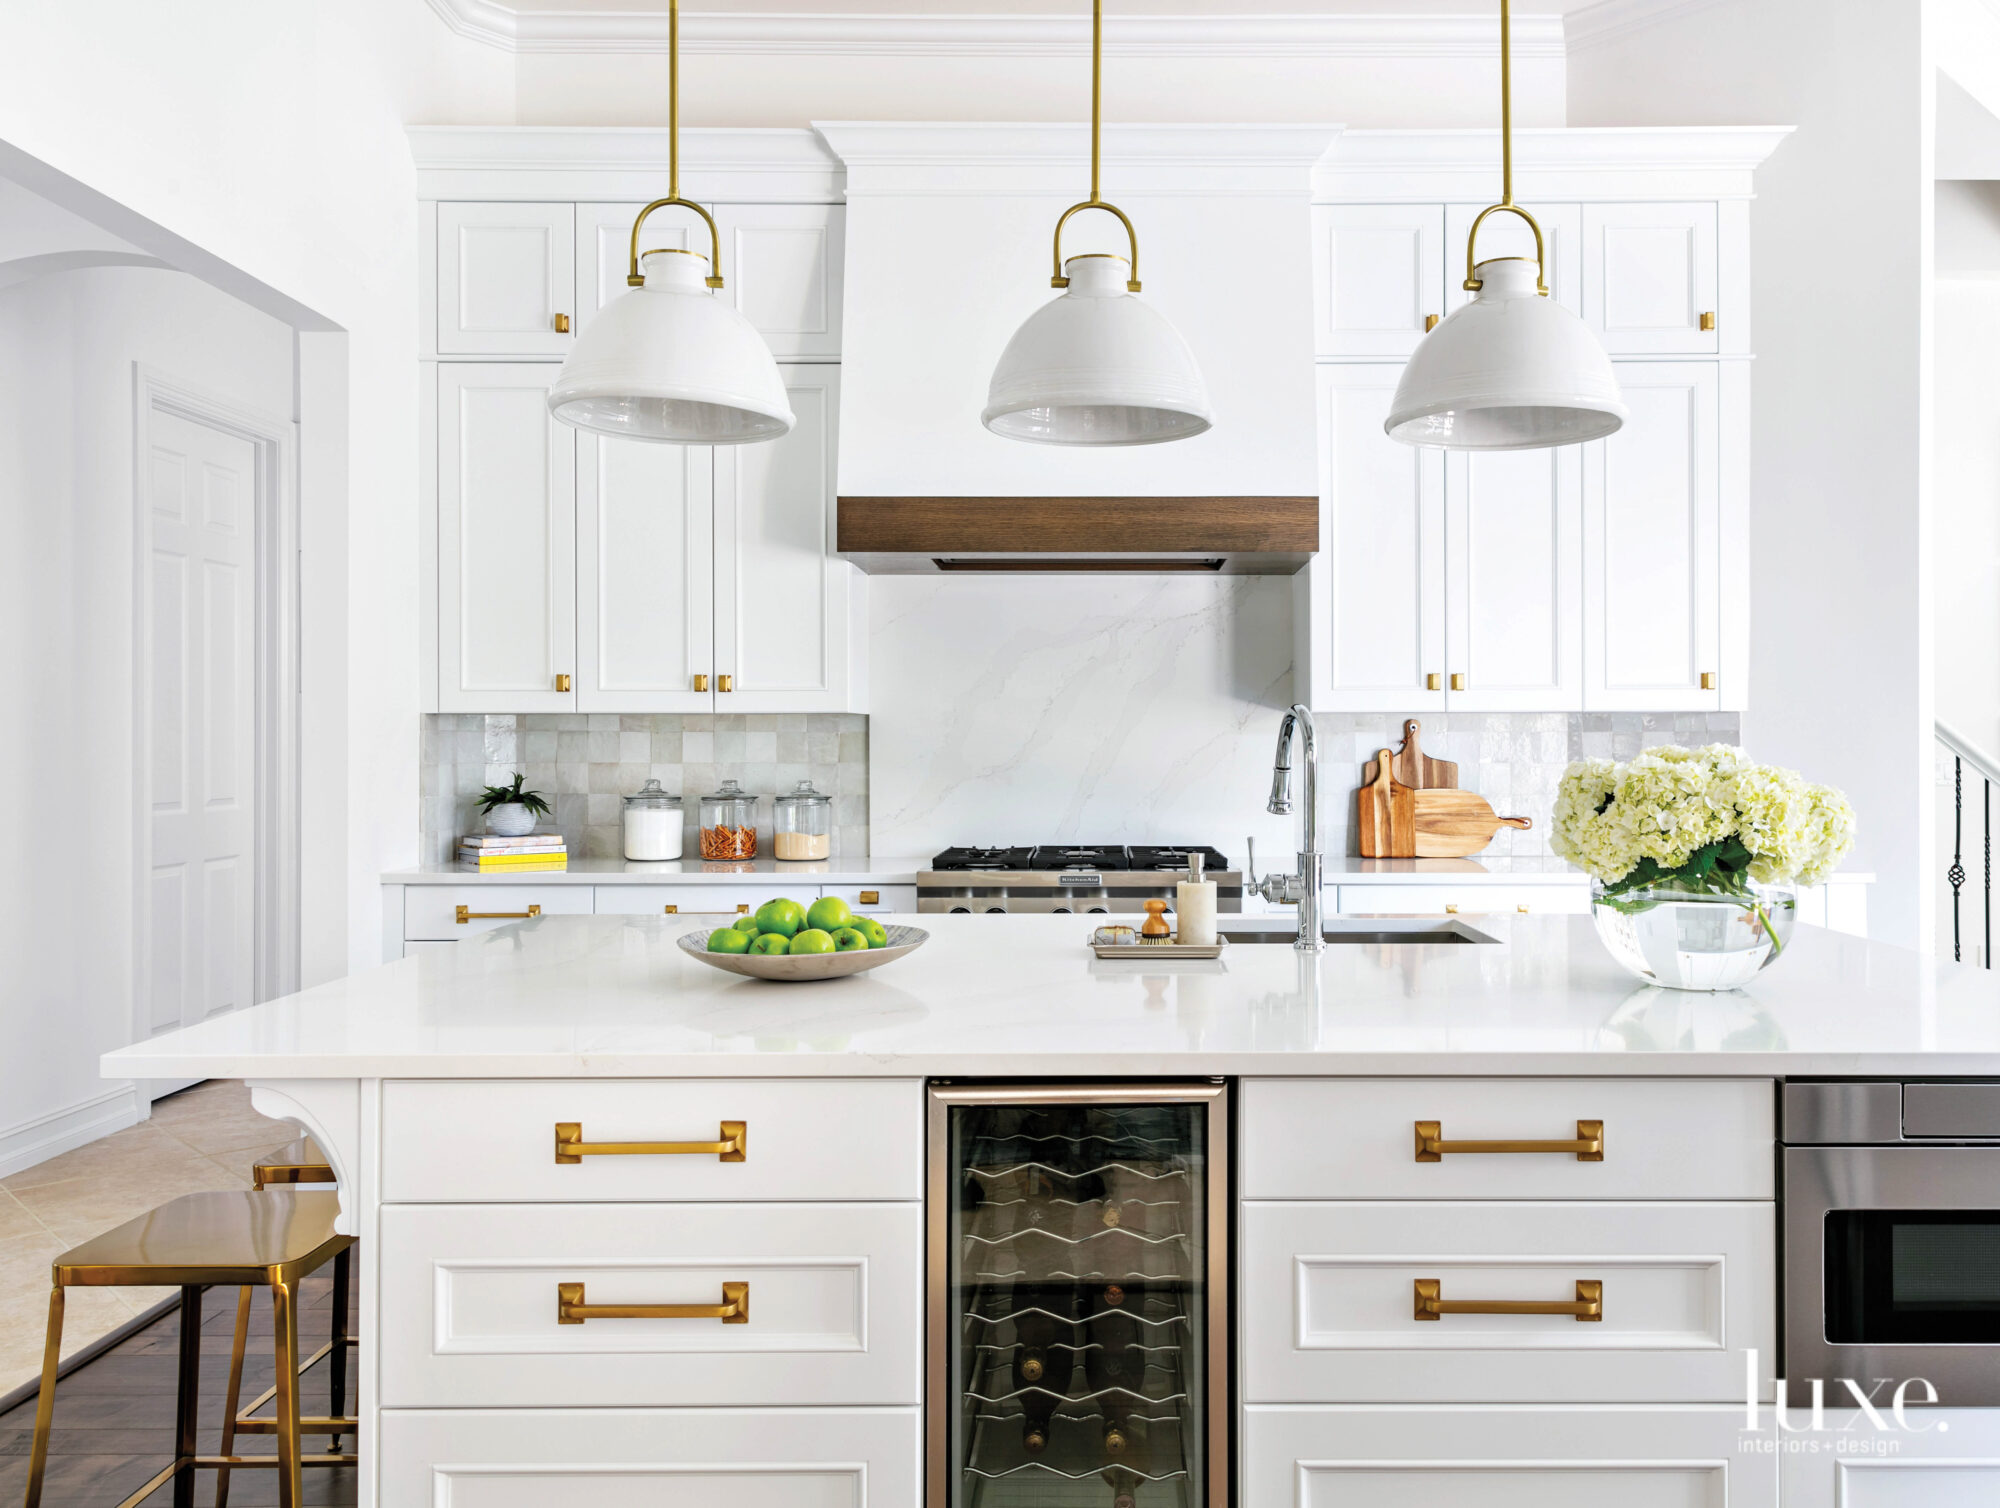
(1267, 536)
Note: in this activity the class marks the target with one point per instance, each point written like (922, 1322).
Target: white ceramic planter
(510, 820)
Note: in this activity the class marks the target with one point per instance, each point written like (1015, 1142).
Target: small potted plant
(511, 811)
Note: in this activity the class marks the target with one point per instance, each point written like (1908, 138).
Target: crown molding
(1550, 163)
(1351, 36)
(1614, 20)
(617, 164)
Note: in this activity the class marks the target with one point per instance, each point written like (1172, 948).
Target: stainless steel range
(1068, 877)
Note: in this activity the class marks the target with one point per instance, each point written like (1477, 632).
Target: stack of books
(490, 854)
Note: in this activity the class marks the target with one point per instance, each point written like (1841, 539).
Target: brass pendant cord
(1472, 282)
(1096, 200)
(633, 276)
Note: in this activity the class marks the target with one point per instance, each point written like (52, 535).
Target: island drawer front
(1329, 1301)
(1468, 900)
(487, 1140)
(687, 900)
(651, 1458)
(430, 912)
(470, 1315)
(868, 900)
(1503, 1458)
(1356, 1138)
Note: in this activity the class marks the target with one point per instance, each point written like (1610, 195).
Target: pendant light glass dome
(667, 360)
(1512, 369)
(1096, 366)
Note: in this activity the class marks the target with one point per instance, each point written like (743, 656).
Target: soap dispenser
(1194, 906)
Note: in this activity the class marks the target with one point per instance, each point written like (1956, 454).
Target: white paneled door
(1512, 539)
(201, 494)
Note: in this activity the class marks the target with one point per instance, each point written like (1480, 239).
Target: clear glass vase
(1695, 939)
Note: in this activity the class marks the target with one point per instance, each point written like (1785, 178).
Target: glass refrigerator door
(1078, 1297)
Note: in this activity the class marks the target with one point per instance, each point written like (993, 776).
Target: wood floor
(114, 1418)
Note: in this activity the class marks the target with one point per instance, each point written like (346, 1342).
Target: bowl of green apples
(791, 941)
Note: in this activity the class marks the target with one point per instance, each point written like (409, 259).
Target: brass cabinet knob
(675, 910)
(701, 683)
(1433, 681)
(562, 324)
(1708, 680)
(871, 897)
(722, 683)
(742, 910)
(1430, 323)
(1458, 681)
(562, 683)
(1708, 319)
(1451, 911)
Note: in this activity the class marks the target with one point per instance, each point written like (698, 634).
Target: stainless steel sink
(1378, 930)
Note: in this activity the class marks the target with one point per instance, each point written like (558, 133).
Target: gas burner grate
(984, 858)
(1059, 856)
(1175, 856)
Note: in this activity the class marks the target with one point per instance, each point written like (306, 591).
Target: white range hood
(948, 251)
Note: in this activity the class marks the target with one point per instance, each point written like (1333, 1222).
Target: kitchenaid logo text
(1875, 1428)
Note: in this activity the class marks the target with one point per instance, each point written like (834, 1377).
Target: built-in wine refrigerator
(1078, 1315)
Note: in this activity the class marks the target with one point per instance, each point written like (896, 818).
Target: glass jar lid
(804, 795)
(730, 791)
(652, 794)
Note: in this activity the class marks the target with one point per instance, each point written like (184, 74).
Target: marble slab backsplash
(587, 763)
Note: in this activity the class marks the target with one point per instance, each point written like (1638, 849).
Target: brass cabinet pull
(1708, 680)
(742, 910)
(1458, 680)
(562, 324)
(562, 683)
(733, 1310)
(871, 897)
(572, 1148)
(675, 910)
(467, 914)
(701, 683)
(1588, 1146)
(1432, 682)
(1430, 323)
(723, 683)
(1431, 1305)
(1708, 319)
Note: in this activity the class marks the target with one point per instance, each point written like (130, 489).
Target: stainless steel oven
(1892, 1236)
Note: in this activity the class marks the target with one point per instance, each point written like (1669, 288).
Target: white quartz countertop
(582, 996)
(865, 869)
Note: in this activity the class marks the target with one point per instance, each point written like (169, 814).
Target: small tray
(1139, 952)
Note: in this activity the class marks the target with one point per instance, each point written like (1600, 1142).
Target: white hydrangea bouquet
(1707, 824)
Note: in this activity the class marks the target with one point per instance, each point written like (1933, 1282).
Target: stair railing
(1965, 753)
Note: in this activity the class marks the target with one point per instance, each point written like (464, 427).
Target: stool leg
(235, 1393)
(285, 1321)
(337, 1358)
(187, 1396)
(45, 1405)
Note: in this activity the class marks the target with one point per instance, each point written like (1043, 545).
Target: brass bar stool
(297, 1162)
(198, 1240)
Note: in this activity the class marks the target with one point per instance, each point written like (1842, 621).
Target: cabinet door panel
(1509, 236)
(1378, 587)
(504, 274)
(645, 575)
(781, 599)
(1514, 580)
(782, 266)
(1947, 1458)
(1652, 552)
(506, 540)
(1649, 276)
(1380, 272)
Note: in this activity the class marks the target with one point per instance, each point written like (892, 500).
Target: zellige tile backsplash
(587, 763)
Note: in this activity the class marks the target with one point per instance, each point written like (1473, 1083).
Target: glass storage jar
(729, 823)
(652, 823)
(803, 824)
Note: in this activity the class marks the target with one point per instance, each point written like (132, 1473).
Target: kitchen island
(436, 1085)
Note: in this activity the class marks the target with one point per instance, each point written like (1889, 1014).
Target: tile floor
(202, 1138)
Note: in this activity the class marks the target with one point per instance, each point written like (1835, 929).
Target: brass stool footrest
(1588, 1308)
(1588, 1146)
(308, 1425)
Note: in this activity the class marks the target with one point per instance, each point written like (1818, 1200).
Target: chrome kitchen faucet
(1303, 888)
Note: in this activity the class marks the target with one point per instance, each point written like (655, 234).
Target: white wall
(1966, 486)
(1840, 635)
(68, 342)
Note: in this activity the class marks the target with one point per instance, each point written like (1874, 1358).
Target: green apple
(782, 917)
(850, 940)
(728, 940)
(829, 913)
(812, 940)
(747, 925)
(766, 944)
(871, 929)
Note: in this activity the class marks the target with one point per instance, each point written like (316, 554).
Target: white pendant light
(668, 360)
(1096, 366)
(1511, 369)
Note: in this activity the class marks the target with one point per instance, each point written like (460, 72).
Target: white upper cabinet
(781, 264)
(1652, 545)
(1649, 277)
(1513, 580)
(506, 544)
(505, 279)
(782, 601)
(645, 580)
(1374, 628)
(1505, 235)
(1378, 272)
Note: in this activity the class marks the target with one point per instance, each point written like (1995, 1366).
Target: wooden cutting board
(1385, 815)
(1416, 769)
(1452, 824)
